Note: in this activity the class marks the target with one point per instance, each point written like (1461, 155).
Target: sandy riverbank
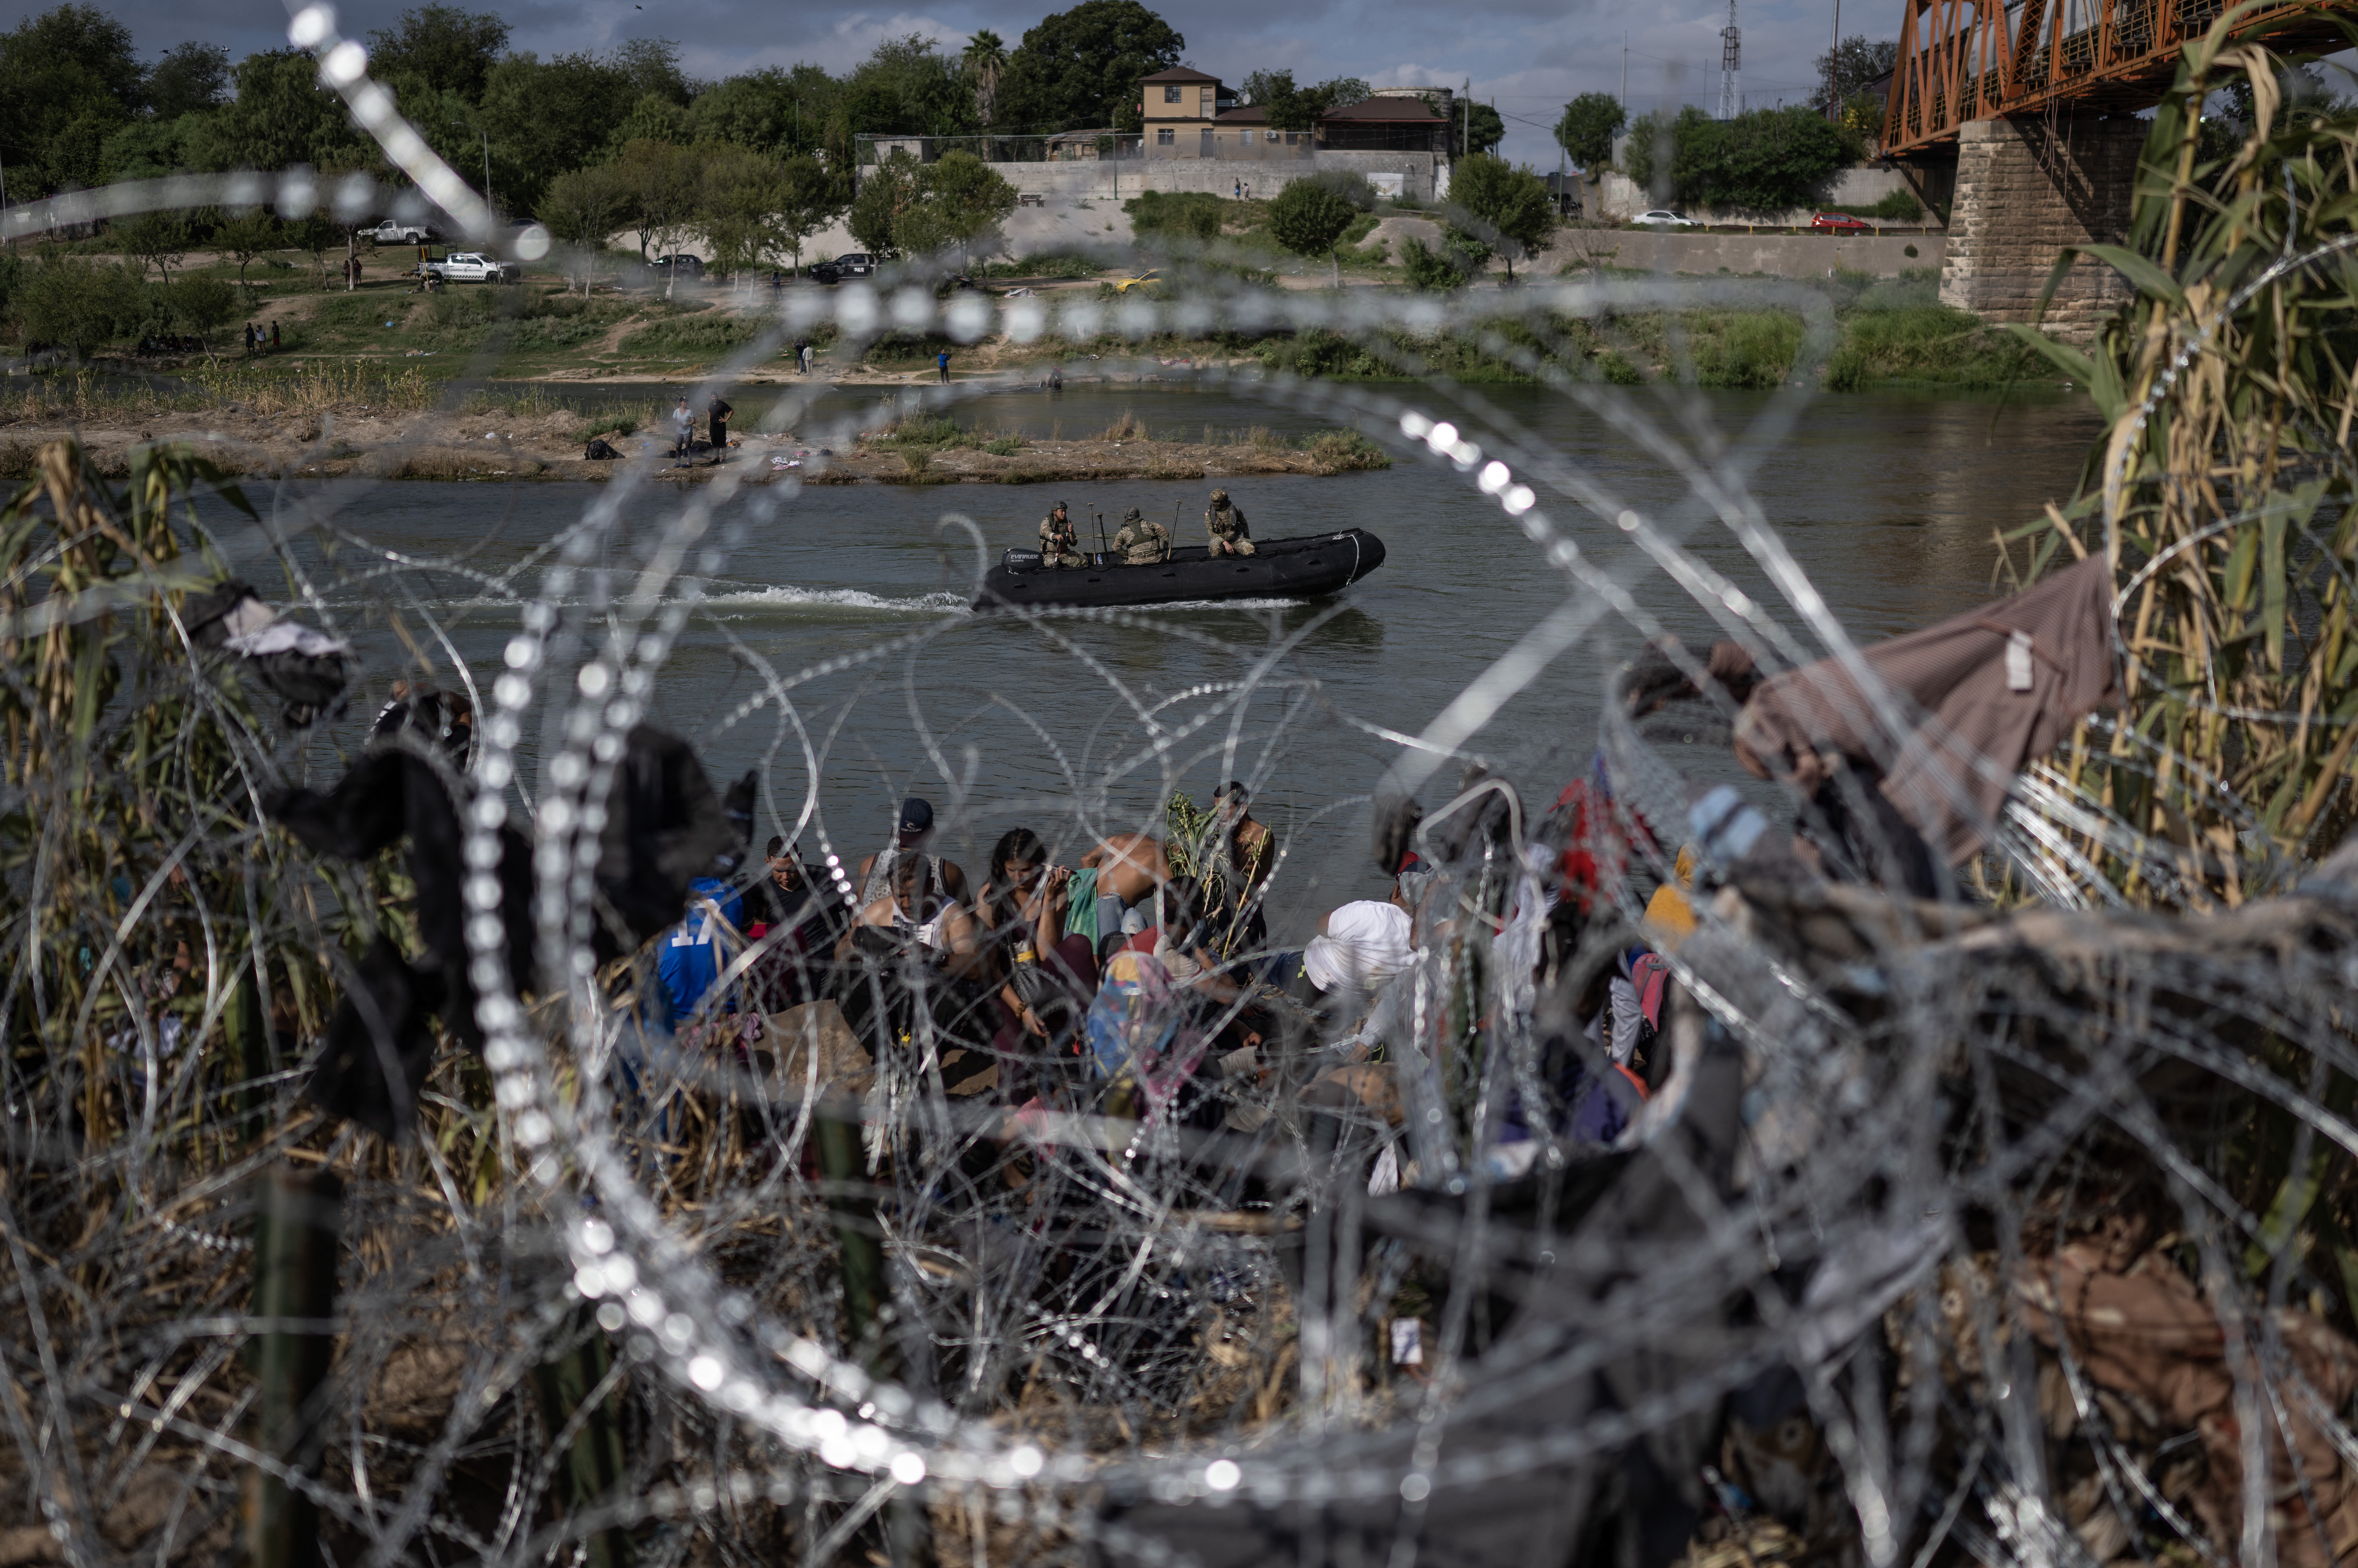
(549, 446)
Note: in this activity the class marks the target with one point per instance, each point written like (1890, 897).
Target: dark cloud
(1531, 56)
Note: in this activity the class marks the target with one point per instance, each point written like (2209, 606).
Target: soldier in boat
(1142, 543)
(1060, 543)
(1226, 522)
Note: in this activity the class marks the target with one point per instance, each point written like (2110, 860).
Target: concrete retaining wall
(1122, 178)
(1778, 255)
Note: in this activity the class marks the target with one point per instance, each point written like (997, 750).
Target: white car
(1662, 218)
(468, 266)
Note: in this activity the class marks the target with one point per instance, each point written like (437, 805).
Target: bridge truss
(1975, 59)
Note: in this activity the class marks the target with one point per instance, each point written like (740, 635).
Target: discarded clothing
(1985, 692)
(303, 665)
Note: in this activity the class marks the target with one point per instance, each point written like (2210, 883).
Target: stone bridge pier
(2026, 187)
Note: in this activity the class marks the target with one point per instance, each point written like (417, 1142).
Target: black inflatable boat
(1278, 568)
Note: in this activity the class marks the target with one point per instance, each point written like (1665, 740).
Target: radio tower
(1731, 67)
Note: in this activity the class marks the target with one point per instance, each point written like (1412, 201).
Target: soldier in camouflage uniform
(1142, 542)
(1060, 544)
(1227, 523)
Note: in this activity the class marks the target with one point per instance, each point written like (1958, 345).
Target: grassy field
(1890, 331)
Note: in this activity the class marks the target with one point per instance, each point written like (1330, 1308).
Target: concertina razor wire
(1925, 1229)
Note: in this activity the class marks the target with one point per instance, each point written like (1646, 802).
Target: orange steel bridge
(1975, 59)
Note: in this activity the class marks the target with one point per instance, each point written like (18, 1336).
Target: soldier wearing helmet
(1231, 536)
(1140, 542)
(1060, 544)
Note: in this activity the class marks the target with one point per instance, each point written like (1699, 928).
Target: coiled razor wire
(1098, 1349)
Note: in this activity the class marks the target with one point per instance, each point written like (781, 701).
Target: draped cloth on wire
(1982, 694)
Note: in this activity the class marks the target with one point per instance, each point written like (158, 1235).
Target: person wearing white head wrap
(1360, 945)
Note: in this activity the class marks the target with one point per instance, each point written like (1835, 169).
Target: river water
(1889, 501)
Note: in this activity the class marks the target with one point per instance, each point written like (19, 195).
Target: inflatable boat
(1278, 568)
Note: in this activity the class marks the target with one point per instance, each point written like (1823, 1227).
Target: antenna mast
(1731, 67)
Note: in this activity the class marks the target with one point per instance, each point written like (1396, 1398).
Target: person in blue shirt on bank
(699, 947)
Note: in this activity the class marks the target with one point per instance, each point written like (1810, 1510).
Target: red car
(1840, 223)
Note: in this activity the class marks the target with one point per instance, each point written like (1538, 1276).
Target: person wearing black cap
(913, 837)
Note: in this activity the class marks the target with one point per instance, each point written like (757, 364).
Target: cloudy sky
(1525, 56)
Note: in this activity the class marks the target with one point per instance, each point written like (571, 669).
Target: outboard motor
(1022, 560)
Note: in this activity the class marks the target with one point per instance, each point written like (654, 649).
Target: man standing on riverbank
(942, 363)
(1142, 542)
(1060, 543)
(1226, 522)
(719, 411)
(683, 426)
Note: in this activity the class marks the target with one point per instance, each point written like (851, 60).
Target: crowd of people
(1117, 985)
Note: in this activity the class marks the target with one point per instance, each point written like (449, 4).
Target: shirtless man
(1241, 859)
(1130, 867)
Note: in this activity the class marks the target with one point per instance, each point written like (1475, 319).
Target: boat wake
(748, 602)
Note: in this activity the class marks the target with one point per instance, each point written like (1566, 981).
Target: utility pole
(1834, 61)
(1625, 73)
(1731, 67)
(1465, 120)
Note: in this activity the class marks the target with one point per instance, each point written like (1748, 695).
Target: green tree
(664, 191)
(1473, 127)
(886, 193)
(652, 65)
(190, 79)
(1850, 67)
(986, 57)
(547, 117)
(69, 78)
(448, 49)
(739, 196)
(281, 117)
(1079, 69)
(654, 118)
(1585, 132)
(83, 305)
(159, 239)
(145, 150)
(810, 198)
(1293, 108)
(905, 207)
(961, 202)
(1510, 209)
(580, 208)
(202, 305)
(1763, 160)
(909, 87)
(1308, 219)
(768, 110)
(246, 236)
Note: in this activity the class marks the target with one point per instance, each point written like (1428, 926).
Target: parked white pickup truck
(391, 232)
(468, 267)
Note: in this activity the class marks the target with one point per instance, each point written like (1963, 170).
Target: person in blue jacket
(700, 946)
